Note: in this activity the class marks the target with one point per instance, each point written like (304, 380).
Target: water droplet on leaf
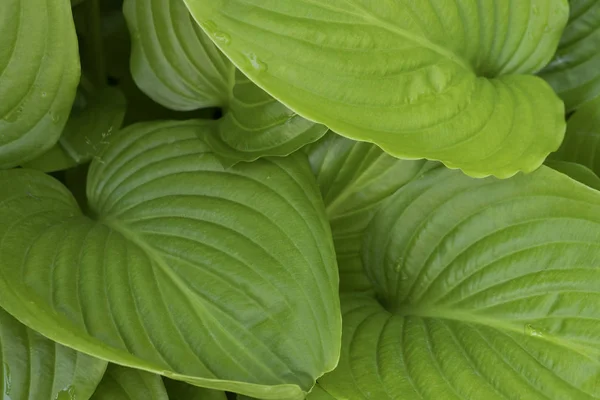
(530, 330)
(66, 394)
(222, 37)
(7, 380)
(255, 63)
(55, 117)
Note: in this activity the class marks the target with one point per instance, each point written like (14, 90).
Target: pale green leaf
(256, 125)
(178, 390)
(438, 79)
(35, 368)
(95, 117)
(224, 278)
(485, 289)
(575, 70)
(355, 178)
(172, 60)
(582, 141)
(39, 72)
(122, 383)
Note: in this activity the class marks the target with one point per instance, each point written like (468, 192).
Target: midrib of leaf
(368, 16)
(192, 298)
(432, 311)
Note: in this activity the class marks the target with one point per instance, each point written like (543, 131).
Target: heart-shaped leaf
(437, 79)
(39, 73)
(35, 368)
(121, 383)
(575, 70)
(224, 278)
(355, 178)
(485, 289)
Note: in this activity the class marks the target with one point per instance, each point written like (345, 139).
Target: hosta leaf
(486, 289)
(35, 368)
(178, 390)
(121, 383)
(224, 278)
(172, 61)
(574, 71)
(355, 178)
(176, 64)
(579, 172)
(437, 79)
(256, 125)
(39, 72)
(582, 141)
(95, 117)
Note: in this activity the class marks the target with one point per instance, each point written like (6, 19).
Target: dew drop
(536, 10)
(14, 115)
(532, 331)
(7, 380)
(44, 94)
(222, 37)
(55, 117)
(255, 63)
(67, 393)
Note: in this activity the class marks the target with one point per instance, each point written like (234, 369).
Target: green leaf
(121, 383)
(172, 61)
(485, 289)
(582, 138)
(574, 71)
(442, 80)
(177, 65)
(35, 368)
(575, 171)
(224, 278)
(355, 178)
(256, 125)
(182, 391)
(39, 72)
(95, 117)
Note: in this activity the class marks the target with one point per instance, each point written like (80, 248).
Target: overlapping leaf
(172, 61)
(96, 116)
(178, 390)
(443, 80)
(355, 178)
(176, 64)
(223, 278)
(486, 289)
(582, 141)
(256, 125)
(39, 73)
(575, 70)
(35, 368)
(121, 383)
